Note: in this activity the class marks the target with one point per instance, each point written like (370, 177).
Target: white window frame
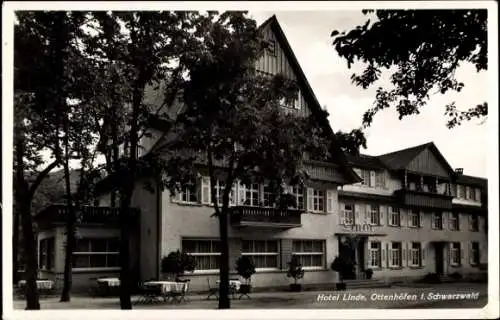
(472, 251)
(454, 221)
(210, 254)
(298, 193)
(414, 217)
(189, 194)
(349, 214)
(455, 254)
(374, 214)
(304, 253)
(375, 255)
(461, 193)
(266, 192)
(415, 252)
(318, 200)
(435, 216)
(395, 215)
(95, 253)
(254, 191)
(395, 255)
(266, 253)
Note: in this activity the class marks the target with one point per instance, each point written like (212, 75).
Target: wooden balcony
(57, 213)
(246, 216)
(424, 199)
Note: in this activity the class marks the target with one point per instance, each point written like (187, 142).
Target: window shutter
(205, 190)
(368, 254)
(450, 222)
(357, 213)
(368, 213)
(381, 212)
(421, 220)
(330, 201)
(378, 177)
(444, 217)
(450, 246)
(310, 192)
(372, 178)
(423, 248)
(359, 172)
(408, 255)
(387, 254)
(462, 252)
(478, 194)
(383, 248)
(404, 253)
(469, 221)
(471, 256)
(403, 217)
(341, 214)
(241, 193)
(366, 177)
(389, 210)
(233, 195)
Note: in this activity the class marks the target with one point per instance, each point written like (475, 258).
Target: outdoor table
(44, 286)
(169, 288)
(108, 285)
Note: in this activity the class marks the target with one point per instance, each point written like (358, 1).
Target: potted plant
(245, 268)
(176, 264)
(296, 272)
(369, 273)
(345, 270)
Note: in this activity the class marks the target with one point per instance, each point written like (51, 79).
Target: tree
(233, 124)
(424, 48)
(350, 142)
(148, 43)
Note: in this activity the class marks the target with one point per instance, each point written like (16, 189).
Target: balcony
(424, 199)
(246, 216)
(57, 213)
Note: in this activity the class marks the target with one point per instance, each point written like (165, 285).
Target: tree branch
(41, 176)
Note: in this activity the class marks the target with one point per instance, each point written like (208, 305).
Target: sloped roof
(309, 95)
(470, 180)
(401, 159)
(365, 161)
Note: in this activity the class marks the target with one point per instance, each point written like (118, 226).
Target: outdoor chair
(150, 294)
(180, 295)
(212, 291)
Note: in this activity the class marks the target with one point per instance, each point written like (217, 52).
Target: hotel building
(408, 214)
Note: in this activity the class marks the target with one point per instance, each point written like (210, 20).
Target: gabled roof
(470, 180)
(401, 159)
(309, 96)
(365, 161)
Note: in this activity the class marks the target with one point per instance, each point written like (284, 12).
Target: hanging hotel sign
(364, 227)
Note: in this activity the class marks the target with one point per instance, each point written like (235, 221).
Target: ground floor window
(264, 253)
(455, 253)
(205, 252)
(375, 254)
(415, 254)
(46, 253)
(96, 253)
(474, 254)
(395, 254)
(311, 253)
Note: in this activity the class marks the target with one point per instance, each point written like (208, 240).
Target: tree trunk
(125, 285)
(32, 299)
(224, 302)
(70, 235)
(15, 245)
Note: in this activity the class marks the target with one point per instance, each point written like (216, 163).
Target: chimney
(459, 171)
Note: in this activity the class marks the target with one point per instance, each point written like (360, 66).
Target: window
(460, 192)
(395, 254)
(188, 193)
(474, 223)
(366, 177)
(415, 254)
(269, 196)
(318, 200)
(219, 192)
(46, 254)
(380, 179)
(96, 253)
(311, 253)
(271, 47)
(298, 193)
(264, 253)
(474, 254)
(477, 194)
(251, 195)
(205, 252)
(454, 221)
(374, 214)
(206, 192)
(472, 193)
(348, 214)
(455, 253)
(414, 218)
(437, 220)
(395, 217)
(375, 254)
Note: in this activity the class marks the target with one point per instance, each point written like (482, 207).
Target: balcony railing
(88, 214)
(439, 200)
(266, 217)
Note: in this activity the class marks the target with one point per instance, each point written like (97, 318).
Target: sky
(308, 33)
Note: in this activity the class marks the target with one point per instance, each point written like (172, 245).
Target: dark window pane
(81, 261)
(112, 260)
(98, 260)
(98, 245)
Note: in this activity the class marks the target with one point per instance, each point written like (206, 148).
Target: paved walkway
(354, 298)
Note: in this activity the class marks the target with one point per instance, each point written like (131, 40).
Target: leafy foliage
(245, 267)
(177, 263)
(295, 270)
(351, 142)
(424, 48)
